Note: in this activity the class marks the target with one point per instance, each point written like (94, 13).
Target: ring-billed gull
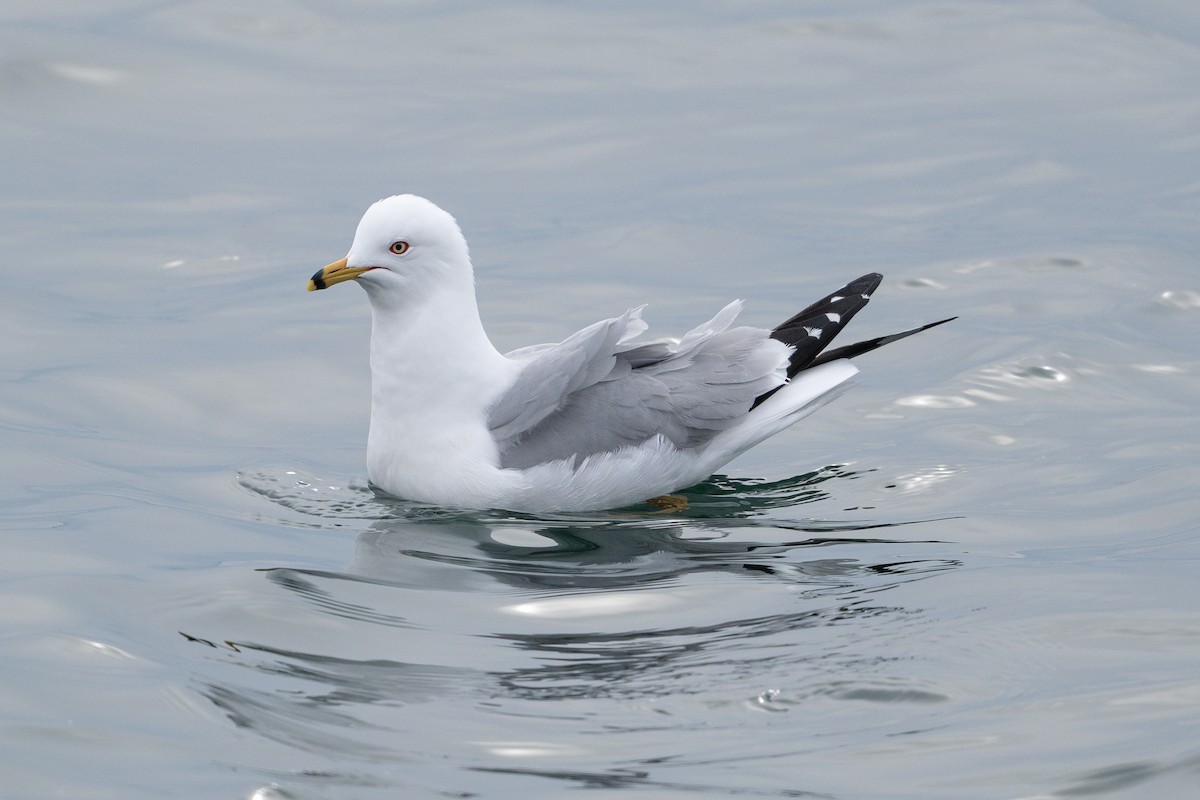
(596, 421)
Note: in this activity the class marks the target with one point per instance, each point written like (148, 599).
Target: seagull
(597, 421)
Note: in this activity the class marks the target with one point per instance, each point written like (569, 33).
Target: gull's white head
(405, 248)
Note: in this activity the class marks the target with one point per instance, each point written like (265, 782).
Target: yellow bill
(337, 272)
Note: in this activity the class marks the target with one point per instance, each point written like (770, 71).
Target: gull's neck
(433, 353)
(434, 373)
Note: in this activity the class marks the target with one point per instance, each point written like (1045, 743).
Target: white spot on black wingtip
(833, 317)
(836, 298)
(813, 332)
(865, 296)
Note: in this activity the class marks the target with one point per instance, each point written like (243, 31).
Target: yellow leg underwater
(668, 503)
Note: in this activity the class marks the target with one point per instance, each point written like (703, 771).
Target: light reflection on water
(666, 614)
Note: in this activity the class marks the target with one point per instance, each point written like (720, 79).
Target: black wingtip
(853, 296)
(813, 329)
(858, 348)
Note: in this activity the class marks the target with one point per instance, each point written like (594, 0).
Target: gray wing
(596, 392)
(552, 373)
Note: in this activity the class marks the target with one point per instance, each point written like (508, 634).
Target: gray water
(973, 576)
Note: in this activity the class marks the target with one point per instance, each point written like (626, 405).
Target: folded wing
(596, 392)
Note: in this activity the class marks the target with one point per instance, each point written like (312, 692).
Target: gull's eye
(399, 248)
